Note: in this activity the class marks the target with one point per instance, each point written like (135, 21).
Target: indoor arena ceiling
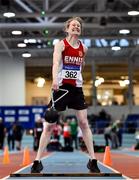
(42, 22)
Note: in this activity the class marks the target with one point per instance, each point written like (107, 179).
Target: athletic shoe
(92, 166)
(37, 167)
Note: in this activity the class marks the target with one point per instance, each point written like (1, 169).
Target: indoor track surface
(67, 165)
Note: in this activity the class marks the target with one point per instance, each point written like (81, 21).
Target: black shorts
(73, 100)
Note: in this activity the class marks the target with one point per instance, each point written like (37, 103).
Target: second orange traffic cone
(107, 157)
(26, 157)
(6, 159)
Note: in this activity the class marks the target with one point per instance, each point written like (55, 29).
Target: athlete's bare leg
(87, 134)
(44, 140)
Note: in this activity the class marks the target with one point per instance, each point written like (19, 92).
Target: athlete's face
(74, 28)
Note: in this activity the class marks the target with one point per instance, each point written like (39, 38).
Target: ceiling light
(124, 31)
(39, 46)
(101, 79)
(39, 40)
(49, 43)
(133, 13)
(45, 32)
(122, 83)
(97, 82)
(127, 81)
(9, 14)
(122, 77)
(26, 55)
(55, 41)
(40, 81)
(21, 45)
(30, 41)
(98, 96)
(44, 46)
(116, 48)
(16, 32)
(26, 41)
(43, 13)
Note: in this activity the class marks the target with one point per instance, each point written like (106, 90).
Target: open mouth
(76, 30)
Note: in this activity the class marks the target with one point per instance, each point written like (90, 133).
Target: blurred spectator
(104, 115)
(18, 133)
(37, 133)
(2, 133)
(120, 132)
(114, 136)
(74, 131)
(114, 102)
(107, 134)
(57, 130)
(10, 136)
(66, 134)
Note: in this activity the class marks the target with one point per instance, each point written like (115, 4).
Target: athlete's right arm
(57, 57)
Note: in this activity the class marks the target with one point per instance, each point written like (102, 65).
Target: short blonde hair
(67, 23)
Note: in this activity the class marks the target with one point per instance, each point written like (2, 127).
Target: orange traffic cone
(107, 157)
(26, 157)
(6, 159)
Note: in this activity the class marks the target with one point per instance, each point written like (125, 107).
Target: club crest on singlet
(80, 53)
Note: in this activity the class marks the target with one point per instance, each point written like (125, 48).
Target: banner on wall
(24, 115)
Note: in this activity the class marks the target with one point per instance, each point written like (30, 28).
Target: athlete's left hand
(55, 86)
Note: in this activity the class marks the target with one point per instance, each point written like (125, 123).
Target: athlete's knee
(48, 128)
(83, 124)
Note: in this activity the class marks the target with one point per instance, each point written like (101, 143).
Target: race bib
(70, 72)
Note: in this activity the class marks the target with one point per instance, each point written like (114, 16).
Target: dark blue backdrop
(25, 115)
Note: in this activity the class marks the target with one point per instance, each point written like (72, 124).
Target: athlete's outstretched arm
(57, 57)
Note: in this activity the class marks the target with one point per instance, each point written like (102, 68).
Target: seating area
(131, 123)
(128, 140)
